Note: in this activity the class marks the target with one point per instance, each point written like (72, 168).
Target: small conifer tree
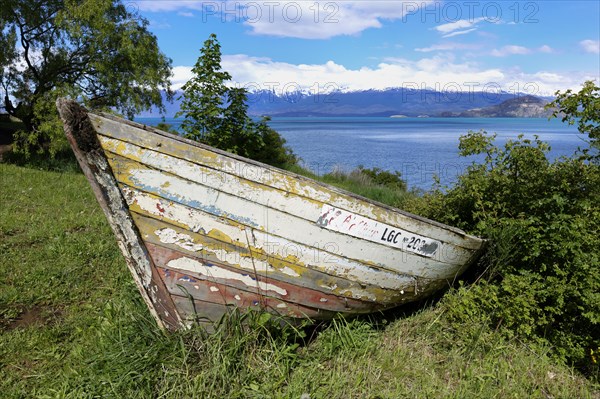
(217, 115)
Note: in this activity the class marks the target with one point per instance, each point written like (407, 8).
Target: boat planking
(203, 231)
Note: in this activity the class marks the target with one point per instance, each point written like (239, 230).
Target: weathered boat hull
(203, 230)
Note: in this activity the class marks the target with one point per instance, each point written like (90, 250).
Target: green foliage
(236, 132)
(384, 178)
(8, 44)
(218, 115)
(376, 184)
(97, 51)
(46, 134)
(166, 127)
(203, 93)
(582, 108)
(542, 219)
(273, 150)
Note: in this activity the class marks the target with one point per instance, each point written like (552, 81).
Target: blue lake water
(418, 148)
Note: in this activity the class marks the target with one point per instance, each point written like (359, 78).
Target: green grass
(72, 325)
(359, 182)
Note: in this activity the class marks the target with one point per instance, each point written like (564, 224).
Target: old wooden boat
(203, 230)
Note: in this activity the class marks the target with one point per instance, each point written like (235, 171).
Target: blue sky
(535, 47)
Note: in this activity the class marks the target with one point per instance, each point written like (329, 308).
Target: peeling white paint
(331, 264)
(229, 183)
(170, 236)
(214, 289)
(289, 272)
(185, 241)
(281, 305)
(197, 196)
(361, 294)
(323, 300)
(245, 262)
(216, 272)
(237, 297)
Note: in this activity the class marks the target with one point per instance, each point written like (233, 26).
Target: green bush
(542, 275)
(273, 150)
(385, 178)
(582, 108)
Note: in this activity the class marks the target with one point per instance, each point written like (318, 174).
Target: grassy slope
(73, 325)
(359, 183)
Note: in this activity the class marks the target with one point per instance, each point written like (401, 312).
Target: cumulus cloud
(590, 46)
(319, 19)
(441, 73)
(324, 19)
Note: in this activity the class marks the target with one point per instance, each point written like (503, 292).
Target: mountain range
(390, 102)
(520, 107)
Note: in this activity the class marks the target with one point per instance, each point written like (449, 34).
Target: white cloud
(510, 50)
(181, 74)
(459, 27)
(325, 19)
(590, 46)
(186, 14)
(319, 19)
(439, 72)
(456, 25)
(520, 50)
(549, 77)
(449, 46)
(159, 24)
(459, 32)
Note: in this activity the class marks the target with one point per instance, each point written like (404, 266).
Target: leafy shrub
(582, 108)
(381, 177)
(46, 134)
(542, 277)
(273, 150)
